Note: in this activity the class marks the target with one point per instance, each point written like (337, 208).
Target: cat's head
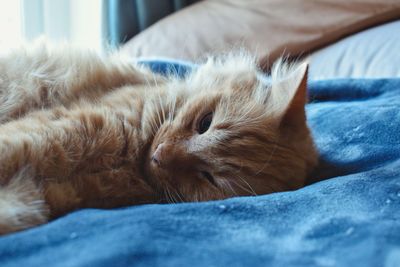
(227, 132)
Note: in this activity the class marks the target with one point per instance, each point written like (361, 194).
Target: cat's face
(230, 134)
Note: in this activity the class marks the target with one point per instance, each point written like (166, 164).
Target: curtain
(123, 19)
(74, 21)
(96, 24)
(10, 25)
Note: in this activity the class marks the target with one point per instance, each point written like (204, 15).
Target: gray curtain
(122, 19)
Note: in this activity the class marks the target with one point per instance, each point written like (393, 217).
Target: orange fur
(82, 131)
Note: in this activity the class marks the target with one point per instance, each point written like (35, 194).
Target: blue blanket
(349, 215)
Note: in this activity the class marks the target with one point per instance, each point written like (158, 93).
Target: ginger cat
(78, 130)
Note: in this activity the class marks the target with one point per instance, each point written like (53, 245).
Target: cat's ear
(289, 95)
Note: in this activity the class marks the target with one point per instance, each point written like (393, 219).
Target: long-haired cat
(78, 130)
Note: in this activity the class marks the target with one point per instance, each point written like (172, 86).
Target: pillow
(267, 28)
(373, 53)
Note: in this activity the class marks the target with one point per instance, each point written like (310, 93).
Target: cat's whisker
(245, 116)
(171, 107)
(268, 161)
(154, 79)
(159, 96)
(158, 116)
(151, 86)
(248, 190)
(174, 195)
(197, 197)
(165, 194)
(178, 195)
(248, 185)
(226, 184)
(226, 110)
(244, 111)
(245, 119)
(174, 107)
(153, 123)
(169, 195)
(161, 112)
(168, 109)
(148, 84)
(162, 107)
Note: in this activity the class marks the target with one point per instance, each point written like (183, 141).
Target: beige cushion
(267, 28)
(372, 53)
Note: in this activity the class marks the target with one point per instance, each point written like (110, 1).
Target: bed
(347, 215)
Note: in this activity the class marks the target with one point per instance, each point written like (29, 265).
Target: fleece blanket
(349, 214)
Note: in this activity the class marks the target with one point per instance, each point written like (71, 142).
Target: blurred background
(79, 22)
(342, 38)
(97, 24)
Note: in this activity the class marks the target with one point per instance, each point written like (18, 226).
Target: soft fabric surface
(351, 218)
(267, 28)
(373, 53)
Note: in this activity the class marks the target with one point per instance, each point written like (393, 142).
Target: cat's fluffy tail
(21, 204)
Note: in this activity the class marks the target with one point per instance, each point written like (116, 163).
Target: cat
(79, 130)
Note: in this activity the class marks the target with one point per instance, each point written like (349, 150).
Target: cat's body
(80, 131)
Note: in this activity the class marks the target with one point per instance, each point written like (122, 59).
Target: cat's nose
(157, 156)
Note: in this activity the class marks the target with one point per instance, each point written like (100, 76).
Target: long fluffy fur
(21, 203)
(80, 130)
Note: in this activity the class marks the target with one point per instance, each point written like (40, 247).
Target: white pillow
(373, 53)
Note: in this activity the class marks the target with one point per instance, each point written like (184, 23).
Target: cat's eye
(204, 123)
(208, 177)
